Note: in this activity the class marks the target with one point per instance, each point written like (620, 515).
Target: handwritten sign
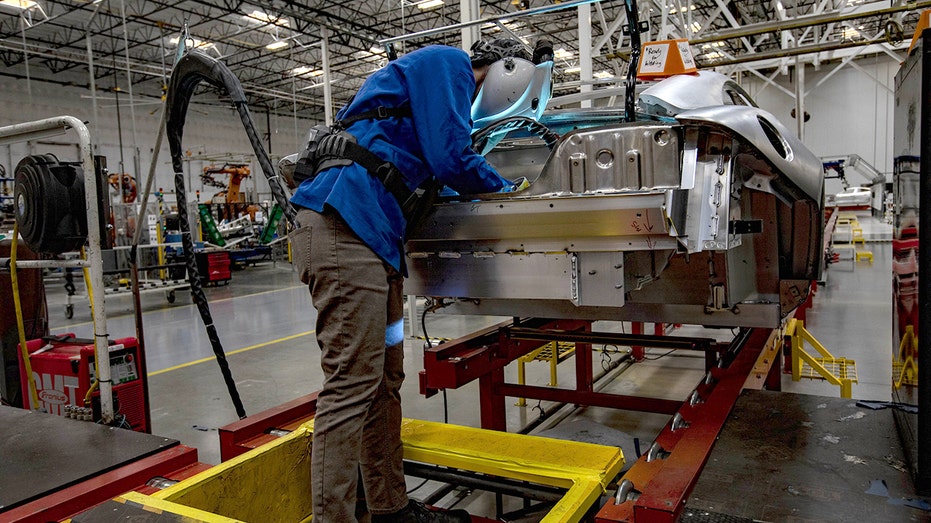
(688, 61)
(653, 58)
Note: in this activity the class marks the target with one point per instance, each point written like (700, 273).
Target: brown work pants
(357, 430)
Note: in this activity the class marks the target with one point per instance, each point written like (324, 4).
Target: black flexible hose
(630, 99)
(188, 72)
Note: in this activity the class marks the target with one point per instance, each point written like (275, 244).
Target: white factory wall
(851, 111)
(211, 134)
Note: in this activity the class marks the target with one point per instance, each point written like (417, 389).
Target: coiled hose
(188, 72)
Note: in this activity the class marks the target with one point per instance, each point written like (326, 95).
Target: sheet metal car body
(854, 196)
(705, 210)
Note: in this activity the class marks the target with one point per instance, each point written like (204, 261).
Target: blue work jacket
(437, 83)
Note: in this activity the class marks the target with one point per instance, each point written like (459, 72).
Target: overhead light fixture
(306, 71)
(19, 4)
(562, 54)
(377, 49)
(713, 55)
(429, 4)
(276, 45)
(261, 17)
(850, 33)
(696, 27)
(681, 9)
(601, 75)
(572, 70)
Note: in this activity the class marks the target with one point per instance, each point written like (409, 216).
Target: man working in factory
(410, 122)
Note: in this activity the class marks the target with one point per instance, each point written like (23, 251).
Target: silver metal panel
(563, 244)
(783, 150)
(601, 279)
(506, 276)
(588, 279)
(684, 92)
(584, 216)
(612, 158)
(765, 315)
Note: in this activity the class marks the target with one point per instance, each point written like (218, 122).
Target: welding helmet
(516, 84)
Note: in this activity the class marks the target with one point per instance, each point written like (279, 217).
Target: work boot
(417, 512)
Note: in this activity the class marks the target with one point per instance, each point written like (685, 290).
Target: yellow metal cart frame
(277, 475)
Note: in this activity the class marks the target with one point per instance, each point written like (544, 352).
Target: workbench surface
(42, 453)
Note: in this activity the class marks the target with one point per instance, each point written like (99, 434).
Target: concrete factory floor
(265, 321)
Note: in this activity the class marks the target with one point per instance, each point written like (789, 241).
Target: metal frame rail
(484, 355)
(93, 261)
(657, 486)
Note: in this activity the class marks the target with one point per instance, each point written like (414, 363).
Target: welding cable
(633, 23)
(188, 72)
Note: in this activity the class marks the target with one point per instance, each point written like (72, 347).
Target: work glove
(517, 185)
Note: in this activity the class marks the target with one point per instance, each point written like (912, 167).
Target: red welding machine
(63, 369)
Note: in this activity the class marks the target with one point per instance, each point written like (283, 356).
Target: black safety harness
(331, 147)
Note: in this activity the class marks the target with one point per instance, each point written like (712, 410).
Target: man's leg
(382, 453)
(349, 289)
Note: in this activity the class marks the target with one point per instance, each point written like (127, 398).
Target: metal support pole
(57, 125)
(468, 11)
(327, 88)
(491, 402)
(585, 50)
(584, 375)
(800, 98)
(132, 103)
(22, 26)
(92, 84)
(637, 351)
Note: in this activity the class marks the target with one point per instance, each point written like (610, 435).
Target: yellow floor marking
(237, 351)
(72, 325)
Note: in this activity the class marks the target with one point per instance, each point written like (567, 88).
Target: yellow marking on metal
(584, 468)
(158, 506)
(764, 362)
(237, 351)
(276, 477)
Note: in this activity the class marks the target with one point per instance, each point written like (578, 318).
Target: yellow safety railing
(837, 371)
(553, 352)
(904, 366)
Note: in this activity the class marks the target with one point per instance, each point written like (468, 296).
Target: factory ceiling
(276, 47)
